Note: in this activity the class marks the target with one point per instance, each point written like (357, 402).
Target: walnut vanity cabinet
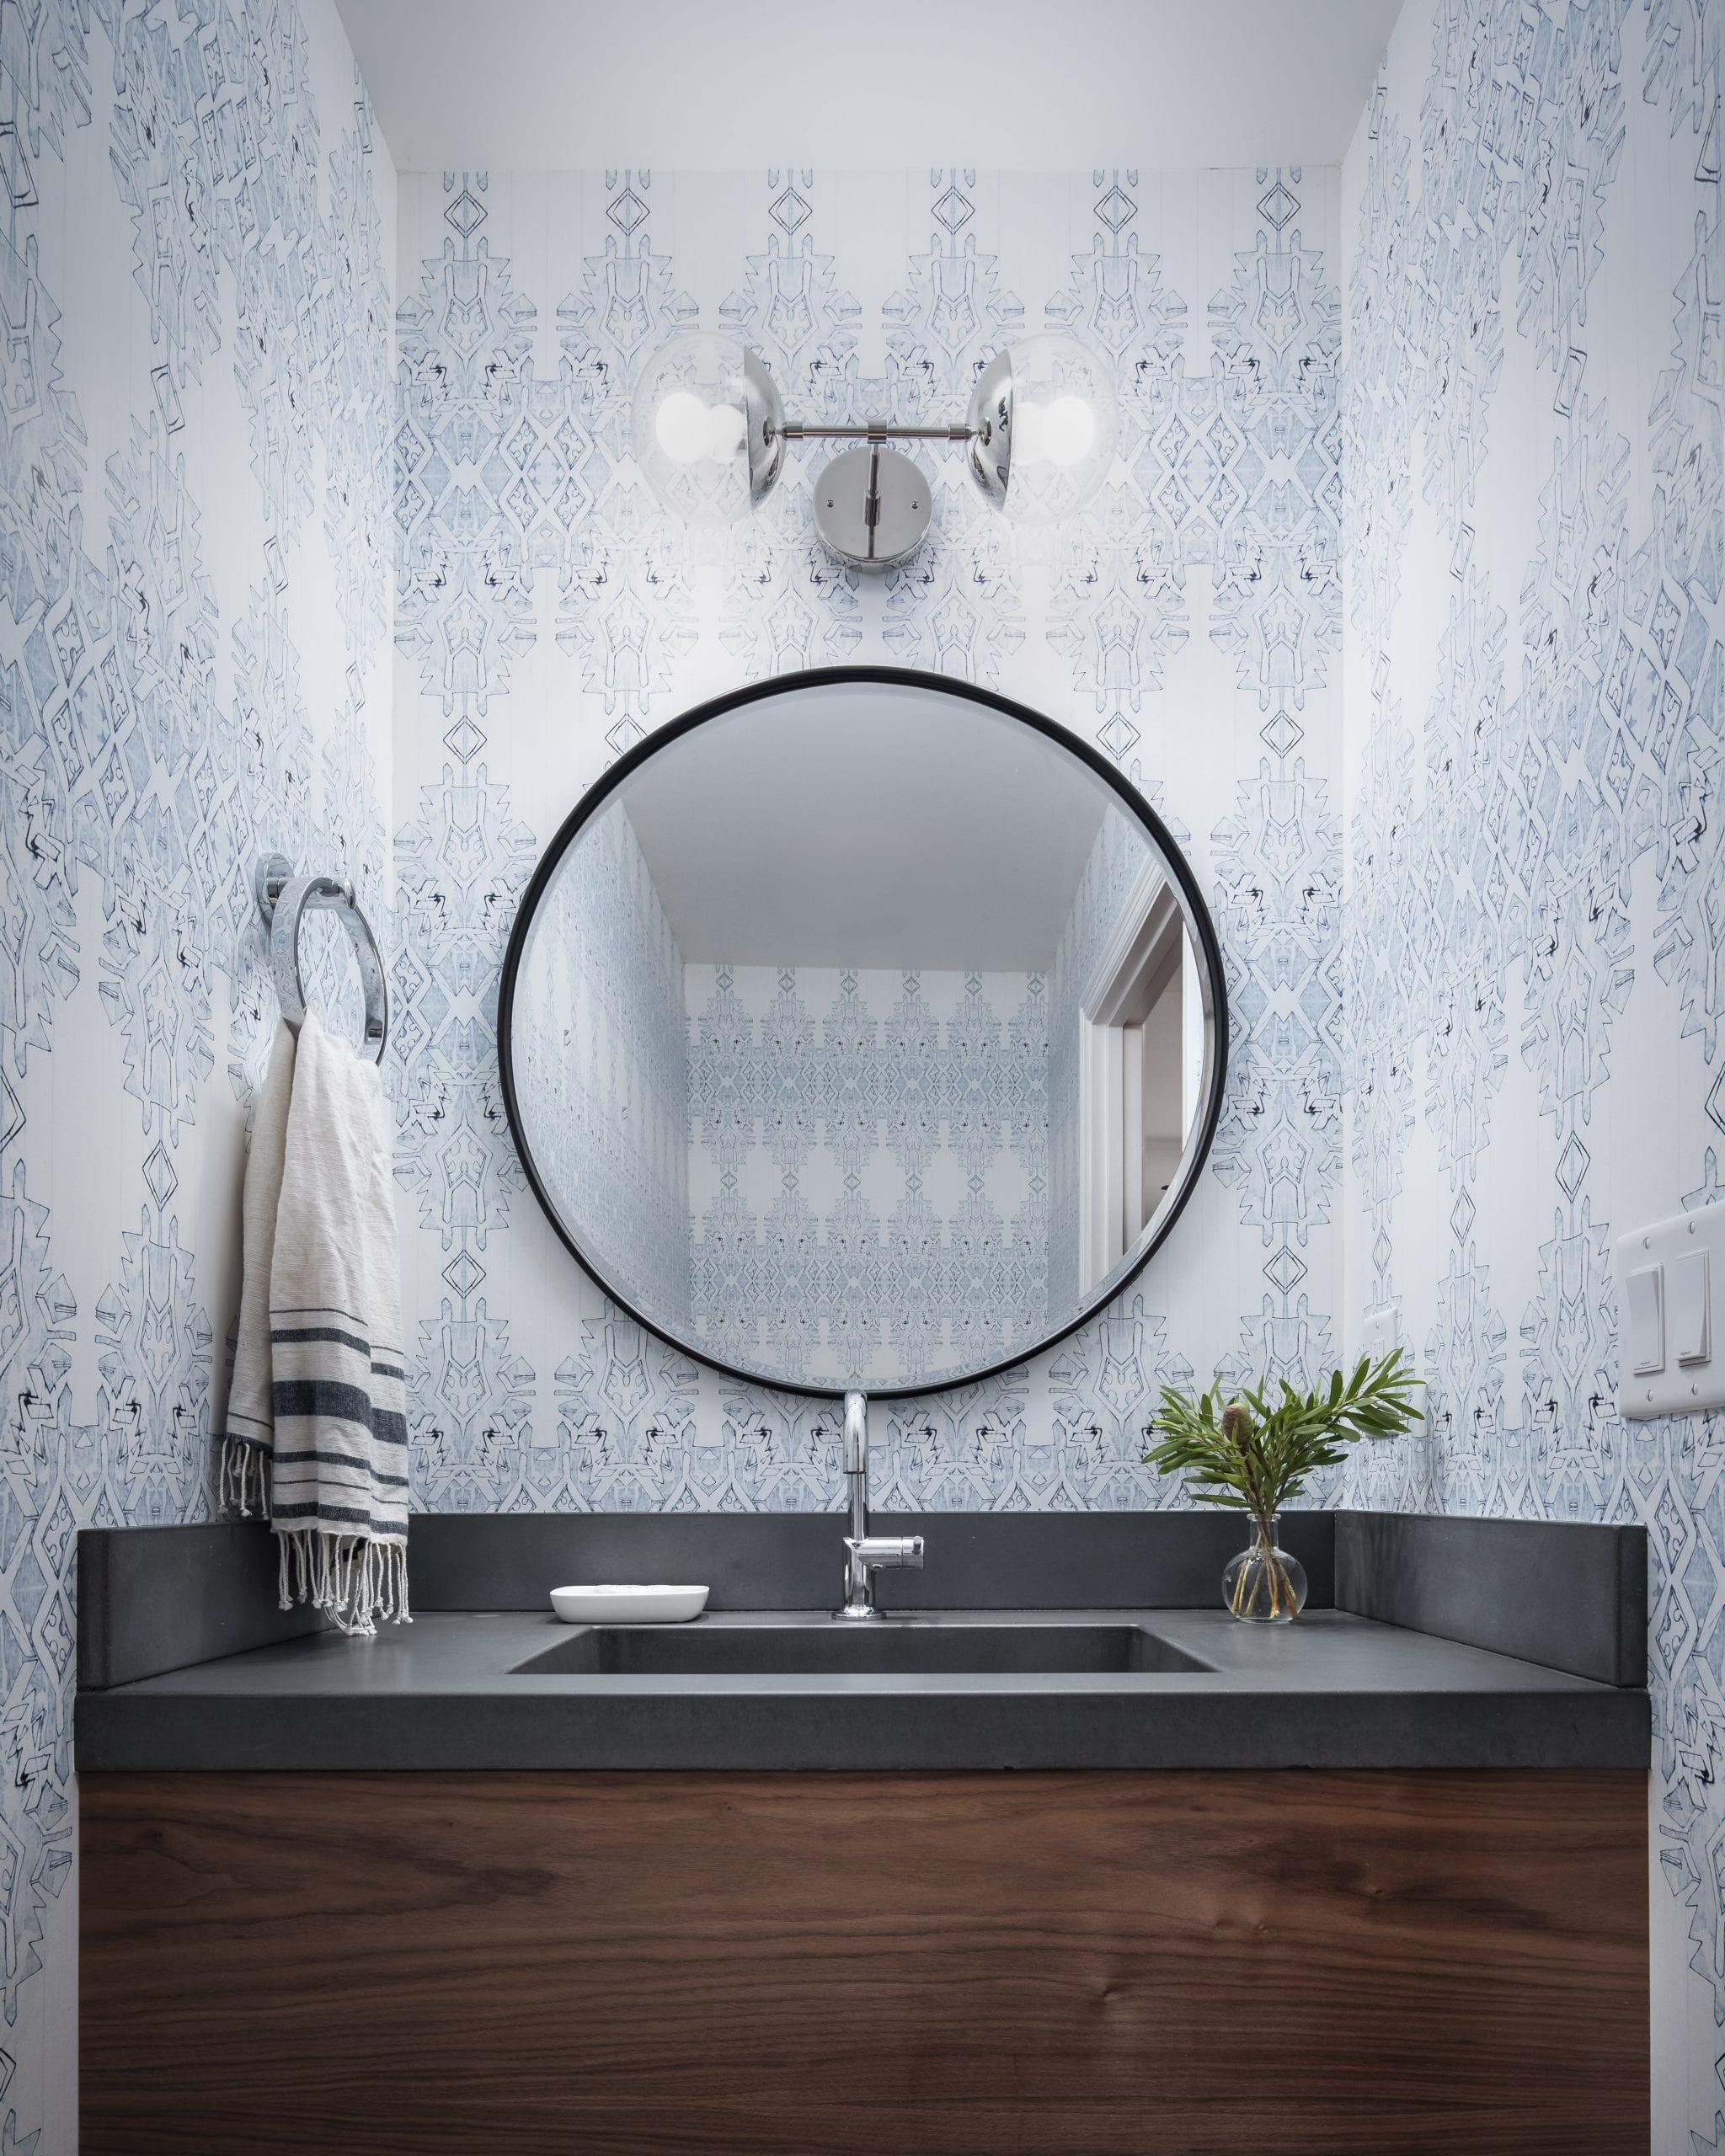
(1008, 1964)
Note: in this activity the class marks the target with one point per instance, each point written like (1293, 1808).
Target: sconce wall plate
(872, 507)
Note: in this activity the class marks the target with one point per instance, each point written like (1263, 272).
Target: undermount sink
(835, 1649)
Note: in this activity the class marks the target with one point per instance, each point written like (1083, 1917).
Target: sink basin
(834, 1649)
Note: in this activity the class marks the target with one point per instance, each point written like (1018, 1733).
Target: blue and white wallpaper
(602, 1065)
(194, 668)
(216, 506)
(869, 1167)
(1535, 719)
(548, 614)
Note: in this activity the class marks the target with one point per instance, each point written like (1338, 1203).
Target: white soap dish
(628, 1605)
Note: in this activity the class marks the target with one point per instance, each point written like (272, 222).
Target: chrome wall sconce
(709, 434)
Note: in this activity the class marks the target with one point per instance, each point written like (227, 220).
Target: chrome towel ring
(282, 899)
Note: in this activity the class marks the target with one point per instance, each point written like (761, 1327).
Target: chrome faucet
(863, 1551)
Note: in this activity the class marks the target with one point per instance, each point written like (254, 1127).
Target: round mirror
(862, 1029)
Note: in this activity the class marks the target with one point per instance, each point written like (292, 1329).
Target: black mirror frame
(594, 799)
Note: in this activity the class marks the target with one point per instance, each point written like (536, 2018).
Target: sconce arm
(800, 430)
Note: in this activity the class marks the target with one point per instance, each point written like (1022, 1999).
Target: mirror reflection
(862, 1035)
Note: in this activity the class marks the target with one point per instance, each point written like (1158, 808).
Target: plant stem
(1281, 1588)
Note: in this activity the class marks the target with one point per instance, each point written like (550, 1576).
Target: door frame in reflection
(1200, 926)
(1146, 960)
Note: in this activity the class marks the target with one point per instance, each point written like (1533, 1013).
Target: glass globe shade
(1061, 422)
(703, 424)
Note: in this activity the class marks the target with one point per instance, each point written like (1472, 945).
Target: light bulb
(1069, 427)
(1044, 424)
(727, 428)
(704, 425)
(682, 426)
(1028, 432)
(1058, 430)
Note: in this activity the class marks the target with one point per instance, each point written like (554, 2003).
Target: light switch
(1644, 1296)
(1383, 1330)
(1668, 1274)
(1689, 1341)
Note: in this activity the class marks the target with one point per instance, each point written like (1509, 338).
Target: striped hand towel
(337, 1443)
(249, 1432)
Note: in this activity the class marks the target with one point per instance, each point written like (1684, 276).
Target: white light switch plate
(1673, 1320)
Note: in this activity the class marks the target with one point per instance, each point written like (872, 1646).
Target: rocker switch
(1689, 1341)
(1645, 1293)
(1670, 1340)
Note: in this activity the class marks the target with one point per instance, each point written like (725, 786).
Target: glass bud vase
(1263, 1585)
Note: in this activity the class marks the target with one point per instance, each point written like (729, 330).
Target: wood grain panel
(773, 1965)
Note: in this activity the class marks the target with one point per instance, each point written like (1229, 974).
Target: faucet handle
(901, 1551)
(864, 1554)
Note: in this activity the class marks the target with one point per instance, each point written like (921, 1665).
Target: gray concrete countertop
(1332, 1690)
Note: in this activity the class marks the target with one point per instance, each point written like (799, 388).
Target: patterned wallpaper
(1535, 716)
(194, 668)
(602, 1064)
(869, 1167)
(548, 614)
(197, 455)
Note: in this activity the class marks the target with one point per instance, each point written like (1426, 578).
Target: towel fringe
(242, 1485)
(353, 1579)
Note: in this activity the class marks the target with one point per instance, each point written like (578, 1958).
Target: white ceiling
(865, 825)
(1013, 85)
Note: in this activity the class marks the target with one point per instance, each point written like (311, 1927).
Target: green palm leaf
(1254, 1454)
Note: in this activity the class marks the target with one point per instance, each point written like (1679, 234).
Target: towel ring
(282, 899)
